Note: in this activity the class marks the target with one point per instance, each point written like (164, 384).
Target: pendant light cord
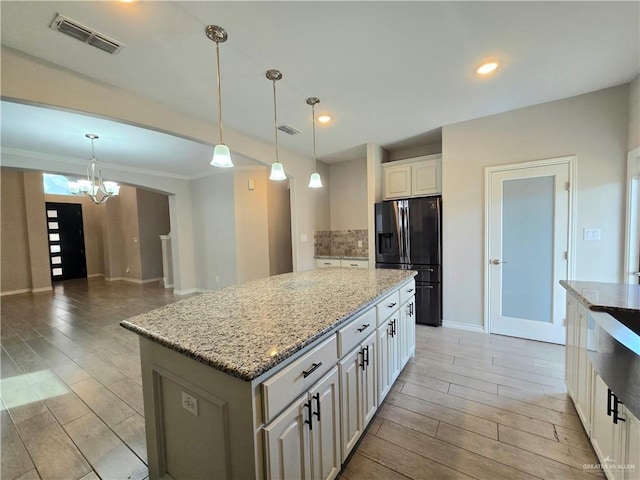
(313, 123)
(219, 91)
(275, 117)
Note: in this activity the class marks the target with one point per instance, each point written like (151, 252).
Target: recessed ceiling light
(487, 68)
(324, 118)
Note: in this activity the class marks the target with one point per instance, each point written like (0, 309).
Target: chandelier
(93, 186)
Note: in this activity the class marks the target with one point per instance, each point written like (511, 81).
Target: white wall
(376, 156)
(214, 230)
(593, 126)
(634, 114)
(348, 197)
(252, 224)
(31, 80)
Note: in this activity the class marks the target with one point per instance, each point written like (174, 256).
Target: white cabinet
(336, 262)
(413, 177)
(578, 369)
(303, 442)
(354, 263)
(388, 358)
(615, 434)
(327, 262)
(358, 392)
(407, 330)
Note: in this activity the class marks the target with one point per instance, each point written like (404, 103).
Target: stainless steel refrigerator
(409, 236)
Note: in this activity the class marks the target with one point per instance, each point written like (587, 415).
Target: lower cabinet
(407, 330)
(357, 392)
(388, 355)
(303, 442)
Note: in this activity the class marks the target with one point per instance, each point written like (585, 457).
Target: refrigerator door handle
(399, 230)
(407, 248)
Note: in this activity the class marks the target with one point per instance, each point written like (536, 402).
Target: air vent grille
(289, 129)
(85, 34)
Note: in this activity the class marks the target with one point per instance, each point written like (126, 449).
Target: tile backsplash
(341, 243)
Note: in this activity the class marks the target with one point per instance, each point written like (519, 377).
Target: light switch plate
(303, 237)
(591, 234)
(190, 403)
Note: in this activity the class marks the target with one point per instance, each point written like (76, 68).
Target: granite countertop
(244, 330)
(605, 297)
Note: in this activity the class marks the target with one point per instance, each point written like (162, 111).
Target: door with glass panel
(66, 241)
(528, 243)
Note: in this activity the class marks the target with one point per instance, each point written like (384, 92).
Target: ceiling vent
(85, 34)
(289, 129)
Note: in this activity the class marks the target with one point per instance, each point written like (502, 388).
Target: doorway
(528, 231)
(65, 229)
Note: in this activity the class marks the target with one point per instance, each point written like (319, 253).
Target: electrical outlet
(128, 269)
(190, 403)
(217, 279)
(303, 237)
(135, 239)
(359, 243)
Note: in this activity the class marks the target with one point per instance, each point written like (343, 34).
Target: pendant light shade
(221, 153)
(277, 169)
(221, 156)
(277, 172)
(314, 181)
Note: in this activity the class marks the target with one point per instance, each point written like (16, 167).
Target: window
(56, 184)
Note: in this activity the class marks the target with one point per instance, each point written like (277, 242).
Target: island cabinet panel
(303, 441)
(291, 381)
(356, 331)
(185, 435)
(407, 331)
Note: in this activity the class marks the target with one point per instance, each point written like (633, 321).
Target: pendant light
(221, 153)
(93, 186)
(314, 181)
(277, 169)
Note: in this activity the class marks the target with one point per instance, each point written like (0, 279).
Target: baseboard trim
(26, 290)
(463, 326)
(112, 279)
(95, 275)
(16, 292)
(41, 289)
(188, 292)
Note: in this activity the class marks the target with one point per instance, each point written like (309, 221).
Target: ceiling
(390, 72)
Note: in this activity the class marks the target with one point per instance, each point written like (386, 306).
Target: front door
(66, 241)
(528, 248)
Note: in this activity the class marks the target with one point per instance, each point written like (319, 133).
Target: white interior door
(527, 246)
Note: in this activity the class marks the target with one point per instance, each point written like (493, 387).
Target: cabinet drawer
(356, 331)
(407, 291)
(355, 263)
(285, 386)
(327, 262)
(387, 306)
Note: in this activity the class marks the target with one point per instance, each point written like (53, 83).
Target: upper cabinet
(414, 177)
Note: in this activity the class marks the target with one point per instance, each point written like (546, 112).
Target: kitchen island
(603, 370)
(272, 378)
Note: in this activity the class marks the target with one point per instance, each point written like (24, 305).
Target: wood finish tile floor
(467, 405)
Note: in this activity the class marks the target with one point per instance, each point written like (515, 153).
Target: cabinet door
(369, 392)
(394, 347)
(325, 433)
(602, 430)
(407, 332)
(397, 181)
(425, 178)
(387, 356)
(350, 385)
(287, 443)
(583, 369)
(570, 342)
(632, 446)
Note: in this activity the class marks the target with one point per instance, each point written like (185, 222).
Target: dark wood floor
(467, 406)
